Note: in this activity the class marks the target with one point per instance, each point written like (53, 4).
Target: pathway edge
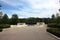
(54, 36)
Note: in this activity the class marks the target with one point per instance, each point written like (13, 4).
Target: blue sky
(30, 8)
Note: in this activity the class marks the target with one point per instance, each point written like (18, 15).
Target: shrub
(58, 25)
(0, 30)
(4, 26)
(30, 23)
(54, 25)
(54, 31)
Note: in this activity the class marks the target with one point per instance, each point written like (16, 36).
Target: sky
(30, 8)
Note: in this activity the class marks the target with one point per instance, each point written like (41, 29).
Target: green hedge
(4, 26)
(30, 23)
(54, 25)
(1, 30)
(54, 31)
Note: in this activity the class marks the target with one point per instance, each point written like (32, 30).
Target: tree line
(14, 19)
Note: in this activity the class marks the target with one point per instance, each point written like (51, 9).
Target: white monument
(21, 25)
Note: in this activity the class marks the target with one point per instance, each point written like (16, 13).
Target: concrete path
(26, 33)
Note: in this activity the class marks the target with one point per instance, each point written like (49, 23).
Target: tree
(14, 19)
(53, 16)
(31, 21)
(0, 6)
(1, 15)
(59, 10)
(22, 20)
(5, 19)
(46, 20)
(0, 11)
(57, 15)
(58, 19)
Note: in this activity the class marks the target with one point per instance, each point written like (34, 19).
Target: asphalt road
(26, 33)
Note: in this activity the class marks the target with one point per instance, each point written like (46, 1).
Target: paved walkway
(26, 33)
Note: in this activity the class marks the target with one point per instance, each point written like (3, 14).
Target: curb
(54, 36)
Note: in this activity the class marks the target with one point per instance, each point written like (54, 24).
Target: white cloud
(37, 4)
(34, 8)
(14, 2)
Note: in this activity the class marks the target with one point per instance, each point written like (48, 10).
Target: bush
(30, 23)
(4, 26)
(0, 30)
(54, 25)
(58, 25)
(54, 31)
